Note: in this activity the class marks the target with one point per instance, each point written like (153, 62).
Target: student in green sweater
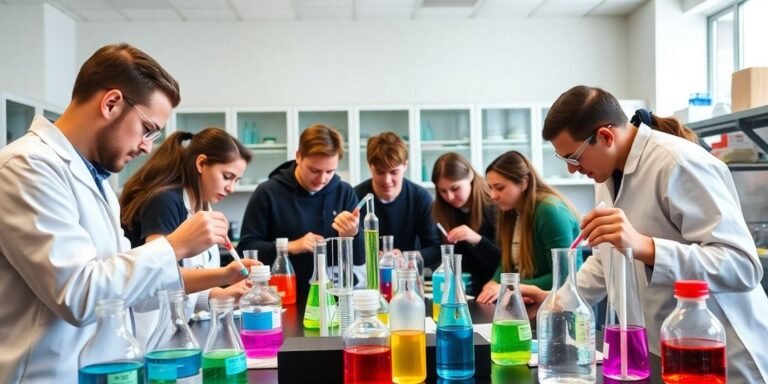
(534, 218)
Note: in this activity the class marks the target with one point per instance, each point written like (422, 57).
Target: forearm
(196, 279)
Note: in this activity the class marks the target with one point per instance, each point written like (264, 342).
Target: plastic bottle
(511, 330)
(283, 277)
(367, 356)
(438, 278)
(692, 339)
(261, 323)
(406, 322)
(386, 267)
(455, 345)
(173, 352)
(112, 354)
(223, 354)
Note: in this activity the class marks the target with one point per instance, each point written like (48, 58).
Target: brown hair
(582, 109)
(454, 167)
(321, 140)
(124, 67)
(386, 151)
(515, 167)
(174, 166)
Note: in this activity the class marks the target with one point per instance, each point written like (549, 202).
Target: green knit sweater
(554, 226)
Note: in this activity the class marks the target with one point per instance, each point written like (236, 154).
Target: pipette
(580, 238)
(364, 200)
(233, 252)
(440, 227)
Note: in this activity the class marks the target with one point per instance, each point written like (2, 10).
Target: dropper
(580, 238)
(364, 200)
(233, 252)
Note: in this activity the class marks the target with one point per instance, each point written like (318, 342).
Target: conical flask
(371, 230)
(320, 303)
(455, 346)
(625, 346)
(223, 353)
(174, 353)
(438, 278)
(511, 330)
(283, 277)
(112, 354)
(565, 327)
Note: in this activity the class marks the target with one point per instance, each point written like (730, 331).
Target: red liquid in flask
(370, 364)
(693, 361)
(285, 285)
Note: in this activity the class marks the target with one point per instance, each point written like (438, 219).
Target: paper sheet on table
(262, 363)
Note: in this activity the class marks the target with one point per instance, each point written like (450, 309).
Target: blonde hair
(386, 151)
(321, 140)
(515, 167)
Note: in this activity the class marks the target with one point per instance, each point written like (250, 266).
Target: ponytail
(668, 125)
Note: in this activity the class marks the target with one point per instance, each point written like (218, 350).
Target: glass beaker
(283, 276)
(406, 322)
(511, 330)
(454, 345)
(173, 352)
(261, 327)
(367, 355)
(438, 278)
(565, 327)
(386, 266)
(318, 313)
(342, 280)
(625, 345)
(223, 353)
(112, 354)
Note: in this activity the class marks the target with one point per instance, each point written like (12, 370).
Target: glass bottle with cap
(692, 338)
(283, 277)
(406, 322)
(174, 354)
(261, 326)
(511, 330)
(112, 354)
(223, 353)
(367, 356)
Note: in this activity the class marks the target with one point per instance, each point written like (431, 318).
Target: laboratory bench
(295, 335)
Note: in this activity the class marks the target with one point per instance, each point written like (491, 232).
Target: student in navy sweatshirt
(403, 207)
(305, 201)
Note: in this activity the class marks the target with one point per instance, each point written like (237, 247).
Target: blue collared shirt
(98, 173)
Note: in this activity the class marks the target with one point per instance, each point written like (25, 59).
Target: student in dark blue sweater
(305, 201)
(403, 207)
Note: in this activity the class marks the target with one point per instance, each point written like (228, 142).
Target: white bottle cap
(260, 272)
(281, 241)
(365, 299)
(510, 278)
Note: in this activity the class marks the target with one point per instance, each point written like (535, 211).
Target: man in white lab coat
(676, 206)
(61, 245)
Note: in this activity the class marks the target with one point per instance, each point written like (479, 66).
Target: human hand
(610, 225)
(198, 233)
(489, 294)
(533, 296)
(232, 270)
(235, 291)
(463, 233)
(347, 223)
(303, 244)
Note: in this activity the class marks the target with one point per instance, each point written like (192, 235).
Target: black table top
(481, 313)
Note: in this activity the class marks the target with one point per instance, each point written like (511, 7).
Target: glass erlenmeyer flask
(565, 327)
(625, 346)
(455, 346)
(511, 330)
(371, 230)
(412, 261)
(438, 278)
(406, 322)
(223, 353)
(174, 353)
(314, 317)
(112, 354)
(283, 277)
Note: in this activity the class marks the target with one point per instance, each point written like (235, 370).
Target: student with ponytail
(185, 175)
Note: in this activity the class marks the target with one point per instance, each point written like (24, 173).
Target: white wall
(59, 52)
(21, 34)
(641, 60)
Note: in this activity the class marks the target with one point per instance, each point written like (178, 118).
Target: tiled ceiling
(247, 10)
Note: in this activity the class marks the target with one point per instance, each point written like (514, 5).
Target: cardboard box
(749, 88)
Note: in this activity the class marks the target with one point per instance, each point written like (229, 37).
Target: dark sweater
(408, 218)
(483, 259)
(280, 207)
(161, 215)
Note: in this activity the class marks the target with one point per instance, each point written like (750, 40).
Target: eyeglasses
(151, 130)
(573, 159)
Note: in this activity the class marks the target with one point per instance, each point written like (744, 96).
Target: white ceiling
(246, 10)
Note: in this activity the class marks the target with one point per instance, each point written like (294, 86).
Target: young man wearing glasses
(676, 207)
(61, 246)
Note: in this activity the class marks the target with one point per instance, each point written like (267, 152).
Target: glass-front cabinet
(505, 128)
(335, 117)
(265, 133)
(442, 129)
(17, 113)
(375, 120)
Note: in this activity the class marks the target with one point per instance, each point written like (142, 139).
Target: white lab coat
(683, 197)
(61, 251)
(146, 314)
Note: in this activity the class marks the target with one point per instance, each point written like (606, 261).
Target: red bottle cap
(691, 289)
